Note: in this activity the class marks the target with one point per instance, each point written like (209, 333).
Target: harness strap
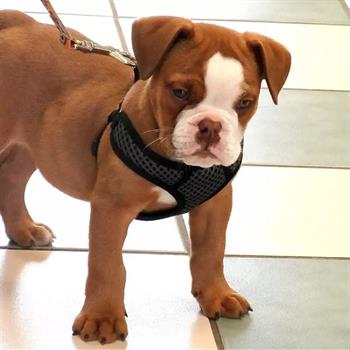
(96, 142)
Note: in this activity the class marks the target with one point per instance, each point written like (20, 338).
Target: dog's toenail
(195, 294)
(126, 314)
(122, 336)
(103, 340)
(86, 337)
(75, 333)
(250, 309)
(217, 315)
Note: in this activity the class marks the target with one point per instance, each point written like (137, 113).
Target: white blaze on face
(223, 84)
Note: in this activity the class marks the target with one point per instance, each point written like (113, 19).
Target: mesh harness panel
(189, 185)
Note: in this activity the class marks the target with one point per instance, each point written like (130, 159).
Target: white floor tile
(320, 53)
(290, 212)
(41, 293)
(69, 219)
(85, 7)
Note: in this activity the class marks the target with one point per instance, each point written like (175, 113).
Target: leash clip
(90, 46)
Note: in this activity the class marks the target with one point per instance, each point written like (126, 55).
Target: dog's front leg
(208, 224)
(103, 314)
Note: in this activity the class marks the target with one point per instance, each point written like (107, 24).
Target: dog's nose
(208, 133)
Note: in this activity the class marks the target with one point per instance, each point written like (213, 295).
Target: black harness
(189, 185)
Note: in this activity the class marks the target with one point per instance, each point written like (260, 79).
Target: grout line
(118, 26)
(184, 236)
(199, 19)
(326, 167)
(252, 21)
(53, 249)
(85, 250)
(305, 89)
(254, 256)
(179, 253)
(216, 334)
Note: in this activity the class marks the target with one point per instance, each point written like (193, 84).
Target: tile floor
(294, 254)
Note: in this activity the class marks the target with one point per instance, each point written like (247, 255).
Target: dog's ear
(152, 37)
(273, 60)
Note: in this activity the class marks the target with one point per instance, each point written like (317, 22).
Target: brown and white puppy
(199, 88)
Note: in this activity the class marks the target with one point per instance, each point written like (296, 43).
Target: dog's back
(11, 18)
(50, 96)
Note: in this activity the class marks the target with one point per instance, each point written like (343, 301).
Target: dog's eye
(243, 104)
(181, 94)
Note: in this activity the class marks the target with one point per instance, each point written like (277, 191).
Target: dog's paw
(216, 301)
(30, 235)
(104, 327)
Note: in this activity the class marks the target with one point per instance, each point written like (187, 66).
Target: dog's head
(205, 83)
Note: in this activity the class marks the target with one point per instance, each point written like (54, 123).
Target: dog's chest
(164, 196)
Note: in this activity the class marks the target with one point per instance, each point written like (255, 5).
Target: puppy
(174, 147)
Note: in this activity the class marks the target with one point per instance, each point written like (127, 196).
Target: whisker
(157, 130)
(164, 138)
(154, 141)
(152, 130)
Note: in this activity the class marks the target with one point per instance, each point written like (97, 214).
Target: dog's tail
(11, 18)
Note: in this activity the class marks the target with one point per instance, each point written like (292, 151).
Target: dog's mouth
(212, 155)
(201, 158)
(205, 154)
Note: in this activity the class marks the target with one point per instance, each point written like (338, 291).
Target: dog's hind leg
(16, 168)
